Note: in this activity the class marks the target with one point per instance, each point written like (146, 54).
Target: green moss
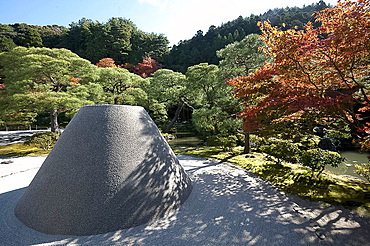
(21, 149)
(294, 178)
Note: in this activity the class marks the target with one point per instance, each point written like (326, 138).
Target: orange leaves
(74, 81)
(323, 69)
(106, 62)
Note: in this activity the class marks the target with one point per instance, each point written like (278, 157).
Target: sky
(175, 19)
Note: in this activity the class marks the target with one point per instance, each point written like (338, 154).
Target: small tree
(166, 90)
(121, 86)
(317, 159)
(106, 62)
(147, 67)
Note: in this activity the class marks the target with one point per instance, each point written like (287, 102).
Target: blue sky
(176, 19)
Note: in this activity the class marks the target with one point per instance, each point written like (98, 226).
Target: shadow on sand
(227, 207)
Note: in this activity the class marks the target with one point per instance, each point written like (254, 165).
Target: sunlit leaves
(324, 70)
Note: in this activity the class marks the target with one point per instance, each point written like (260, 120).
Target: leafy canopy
(41, 79)
(318, 74)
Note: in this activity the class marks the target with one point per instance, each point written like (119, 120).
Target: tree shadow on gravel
(227, 207)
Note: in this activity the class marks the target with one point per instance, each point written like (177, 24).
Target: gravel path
(228, 206)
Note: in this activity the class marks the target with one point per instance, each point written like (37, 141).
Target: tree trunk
(247, 144)
(54, 120)
(173, 121)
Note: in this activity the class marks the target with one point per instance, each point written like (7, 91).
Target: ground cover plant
(21, 149)
(293, 178)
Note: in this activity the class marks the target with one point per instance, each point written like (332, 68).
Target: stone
(326, 144)
(110, 169)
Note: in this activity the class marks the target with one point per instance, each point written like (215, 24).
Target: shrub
(309, 142)
(281, 149)
(226, 142)
(256, 142)
(44, 140)
(363, 170)
(317, 159)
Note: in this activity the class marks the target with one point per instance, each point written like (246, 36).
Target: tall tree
(319, 75)
(167, 90)
(213, 100)
(120, 31)
(204, 83)
(239, 59)
(39, 79)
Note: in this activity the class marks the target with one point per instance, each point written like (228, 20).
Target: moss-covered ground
(21, 149)
(294, 178)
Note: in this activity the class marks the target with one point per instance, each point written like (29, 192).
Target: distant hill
(203, 47)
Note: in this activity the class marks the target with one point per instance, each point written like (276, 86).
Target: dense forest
(203, 47)
(118, 39)
(122, 41)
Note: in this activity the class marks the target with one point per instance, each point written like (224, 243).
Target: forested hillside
(122, 41)
(118, 39)
(203, 47)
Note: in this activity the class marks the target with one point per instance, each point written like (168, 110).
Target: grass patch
(294, 178)
(21, 149)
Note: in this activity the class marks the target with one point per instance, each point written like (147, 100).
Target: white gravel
(228, 206)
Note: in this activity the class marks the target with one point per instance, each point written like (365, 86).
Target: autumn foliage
(318, 74)
(106, 62)
(144, 69)
(147, 67)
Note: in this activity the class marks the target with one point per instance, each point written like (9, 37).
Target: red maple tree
(318, 73)
(147, 67)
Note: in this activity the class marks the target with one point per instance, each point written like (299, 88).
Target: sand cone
(110, 169)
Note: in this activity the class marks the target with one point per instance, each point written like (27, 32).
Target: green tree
(239, 59)
(119, 38)
(167, 88)
(40, 79)
(146, 44)
(204, 83)
(122, 87)
(6, 44)
(33, 38)
(215, 105)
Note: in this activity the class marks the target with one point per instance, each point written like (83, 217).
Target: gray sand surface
(111, 169)
(227, 206)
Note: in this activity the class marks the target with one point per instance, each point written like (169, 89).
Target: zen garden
(286, 99)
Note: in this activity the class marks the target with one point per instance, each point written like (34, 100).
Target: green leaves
(241, 58)
(122, 87)
(317, 159)
(38, 79)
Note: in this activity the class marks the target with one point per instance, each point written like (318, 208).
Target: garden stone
(110, 169)
(326, 144)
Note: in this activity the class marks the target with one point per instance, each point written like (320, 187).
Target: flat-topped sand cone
(110, 169)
